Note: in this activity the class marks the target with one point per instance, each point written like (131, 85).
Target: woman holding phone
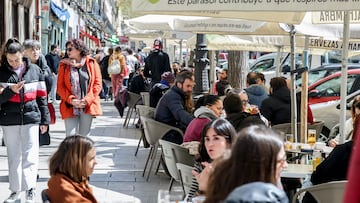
(23, 107)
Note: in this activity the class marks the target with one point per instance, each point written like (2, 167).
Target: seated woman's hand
(203, 177)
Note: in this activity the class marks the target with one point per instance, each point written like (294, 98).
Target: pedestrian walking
(32, 50)
(23, 107)
(117, 79)
(79, 85)
(157, 63)
(53, 60)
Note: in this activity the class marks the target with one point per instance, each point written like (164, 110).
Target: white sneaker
(14, 197)
(30, 195)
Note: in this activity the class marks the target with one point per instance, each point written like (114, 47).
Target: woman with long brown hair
(70, 166)
(117, 79)
(257, 155)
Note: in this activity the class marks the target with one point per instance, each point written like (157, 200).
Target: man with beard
(172, 109)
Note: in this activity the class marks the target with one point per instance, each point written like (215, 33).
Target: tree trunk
(238, 68)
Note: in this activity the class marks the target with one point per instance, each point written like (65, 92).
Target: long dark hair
(253, 158)
(79, 45)
(12, 46)
(221, 127)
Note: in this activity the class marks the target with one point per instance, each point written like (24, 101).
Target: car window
(332, 87)
(312, 77)
(263, 65)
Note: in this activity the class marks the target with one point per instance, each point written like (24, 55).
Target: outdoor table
(297, 171)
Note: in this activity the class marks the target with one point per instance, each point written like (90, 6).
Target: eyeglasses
(282, 160)
(69, 49)
(244, 102)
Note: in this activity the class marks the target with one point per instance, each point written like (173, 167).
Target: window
(263, 65)
(332, 87)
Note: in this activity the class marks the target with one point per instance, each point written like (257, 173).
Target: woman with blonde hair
(70, 166)
(257, 154)
(117, 79)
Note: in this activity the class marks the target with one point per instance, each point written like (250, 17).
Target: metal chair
(145, 111)
(132, 101)
(186, 176)
(154, 130)
(331, 192)
(145, 98)
(44, 197)
(286, 128)
(174, 153)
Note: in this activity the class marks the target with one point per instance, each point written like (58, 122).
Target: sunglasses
(69, 49)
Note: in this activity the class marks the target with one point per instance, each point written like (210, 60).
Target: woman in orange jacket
(79, 84)
(117, 79)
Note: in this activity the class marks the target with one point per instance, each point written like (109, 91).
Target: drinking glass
(163, 196)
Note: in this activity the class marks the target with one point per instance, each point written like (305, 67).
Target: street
(118, 175)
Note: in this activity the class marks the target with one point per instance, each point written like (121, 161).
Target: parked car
(323, 71)
(329, 112)
(266, 65)
(328, 88)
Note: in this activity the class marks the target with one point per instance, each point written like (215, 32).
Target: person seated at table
(257, 155)
(349, 123)
(158, 90)
(207, 108)
(70, 166)
(138, 83)
(335, 166)
(235, 104)
(216, 138)
(173, 107)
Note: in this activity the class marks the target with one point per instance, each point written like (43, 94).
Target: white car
(329, 112)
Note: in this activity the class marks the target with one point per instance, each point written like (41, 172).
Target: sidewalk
(118, 175)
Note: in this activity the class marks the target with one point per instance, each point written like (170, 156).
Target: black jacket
(170, 109)
(156, 64)
(138, 84)
(28, 107)
(46, 71)
(335, 166)
(277, 107)
(53, 61)
(156, 92)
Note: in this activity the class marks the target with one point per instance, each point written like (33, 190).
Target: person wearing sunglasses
(79, 85)
(23, 108)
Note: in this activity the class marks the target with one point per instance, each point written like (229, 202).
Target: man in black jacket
(156, 63)
(53, 60)
(171, 107)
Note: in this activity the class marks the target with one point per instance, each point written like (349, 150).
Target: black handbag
(44, 139)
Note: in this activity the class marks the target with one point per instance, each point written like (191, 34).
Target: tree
(238, 68)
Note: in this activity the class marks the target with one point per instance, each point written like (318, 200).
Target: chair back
(154, 130)
(170, 159)
(331, 192)
(44, 197)
(286, 128)
(133, 99)
(145, 98)
(186, 176)
(146, 111)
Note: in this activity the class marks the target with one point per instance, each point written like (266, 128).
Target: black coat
(53, 61)
(28, 107)
(156, 92)
(46, 71)
(335, 166)
(156, 64)
(138, 84)
(170, 109)
(277, 107)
